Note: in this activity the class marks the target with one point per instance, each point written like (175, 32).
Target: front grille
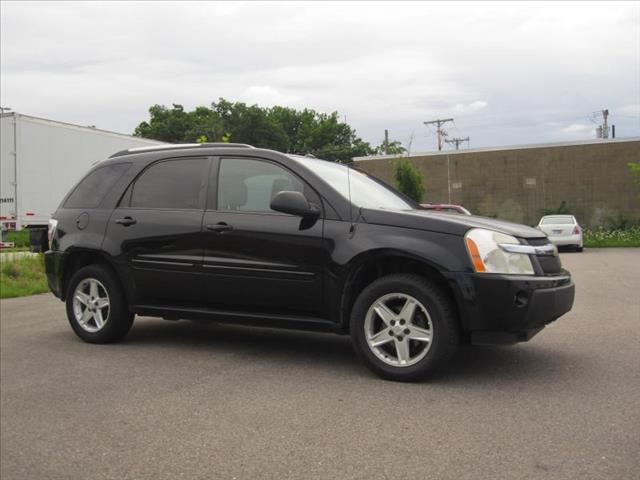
(536, 242)
(550, 265)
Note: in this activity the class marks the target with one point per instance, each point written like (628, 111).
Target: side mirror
(293, 203)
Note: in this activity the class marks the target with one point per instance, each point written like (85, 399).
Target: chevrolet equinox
(232, 233)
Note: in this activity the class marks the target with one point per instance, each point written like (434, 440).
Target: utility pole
(605, 125)
(441, 133)
(457, 141)
(410, 142)
(386, 142)
(602, 131)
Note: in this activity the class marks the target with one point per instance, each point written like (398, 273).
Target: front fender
(349, 251)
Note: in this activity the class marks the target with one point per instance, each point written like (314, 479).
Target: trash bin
(38, 241)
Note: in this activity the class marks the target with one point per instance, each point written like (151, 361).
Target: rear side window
(173, 184)
(93, 188)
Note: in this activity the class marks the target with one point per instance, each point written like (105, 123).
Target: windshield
(365, 191)
(558, 220)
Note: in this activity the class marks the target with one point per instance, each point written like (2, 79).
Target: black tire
(445, 337)
(579, 249)
(119, 319)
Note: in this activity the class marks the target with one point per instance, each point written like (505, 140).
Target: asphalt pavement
(185, 400)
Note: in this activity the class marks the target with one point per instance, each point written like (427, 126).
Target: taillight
(51, 231)
(576, 230)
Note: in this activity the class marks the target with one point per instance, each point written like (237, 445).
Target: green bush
(19, 237)
(602, 237)
(620, 222)
(409, 180)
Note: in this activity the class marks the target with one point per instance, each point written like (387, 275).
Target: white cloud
(266, 95)
(471, 107)
(505, 72)
(578, 128)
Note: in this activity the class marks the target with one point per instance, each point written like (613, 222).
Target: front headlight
(493, 252)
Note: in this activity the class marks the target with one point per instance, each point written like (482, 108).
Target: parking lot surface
(184, 400)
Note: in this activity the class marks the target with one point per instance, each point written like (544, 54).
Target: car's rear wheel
(96, 307)
(403, 327)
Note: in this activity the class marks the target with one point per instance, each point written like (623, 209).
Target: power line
(441, 133)
(457, 141)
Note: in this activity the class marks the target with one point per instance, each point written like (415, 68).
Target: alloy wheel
(91, 305)
(398, 329)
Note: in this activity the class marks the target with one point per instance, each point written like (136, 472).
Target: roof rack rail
(177, 146)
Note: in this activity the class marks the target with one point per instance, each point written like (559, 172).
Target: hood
(451, 223)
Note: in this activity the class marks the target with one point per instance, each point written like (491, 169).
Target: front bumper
(509, 308)
(565, 240)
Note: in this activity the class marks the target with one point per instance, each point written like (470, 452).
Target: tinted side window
(92, 189)
(249, 185)
(177, 184)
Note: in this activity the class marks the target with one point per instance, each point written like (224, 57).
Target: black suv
(232, 233)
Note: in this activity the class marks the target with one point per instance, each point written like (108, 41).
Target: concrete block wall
(518, 183)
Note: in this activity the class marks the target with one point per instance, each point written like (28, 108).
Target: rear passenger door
(257, 259)
(157, 227)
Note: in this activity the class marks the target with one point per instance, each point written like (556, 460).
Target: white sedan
(562, 230)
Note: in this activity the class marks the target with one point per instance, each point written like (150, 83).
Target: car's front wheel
(403, 327)
(96, 307)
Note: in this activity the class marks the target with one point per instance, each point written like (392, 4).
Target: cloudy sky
(507, 73)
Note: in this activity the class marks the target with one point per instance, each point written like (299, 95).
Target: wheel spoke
(97, 318)
(408, 309)
(419, 334)
(93, 288)
(402, 350)
(384, 312)
(380, 338)
(82, 297)
(102, 302)
(86, 316)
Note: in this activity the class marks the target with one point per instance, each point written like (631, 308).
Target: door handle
(126, 221)
(220, 227)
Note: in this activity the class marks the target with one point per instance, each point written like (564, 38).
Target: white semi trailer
(40, 160)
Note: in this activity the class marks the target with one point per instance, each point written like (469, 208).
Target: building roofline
(83, 127)
(595, 141)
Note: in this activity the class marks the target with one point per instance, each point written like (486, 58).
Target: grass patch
(19, 237)
(21, 276)
(629, 237)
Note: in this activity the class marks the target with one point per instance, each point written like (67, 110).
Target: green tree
(279, 128)
(395, 148)
(409, 180)
(175, 125)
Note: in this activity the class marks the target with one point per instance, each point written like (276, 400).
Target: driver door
(257, 259)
